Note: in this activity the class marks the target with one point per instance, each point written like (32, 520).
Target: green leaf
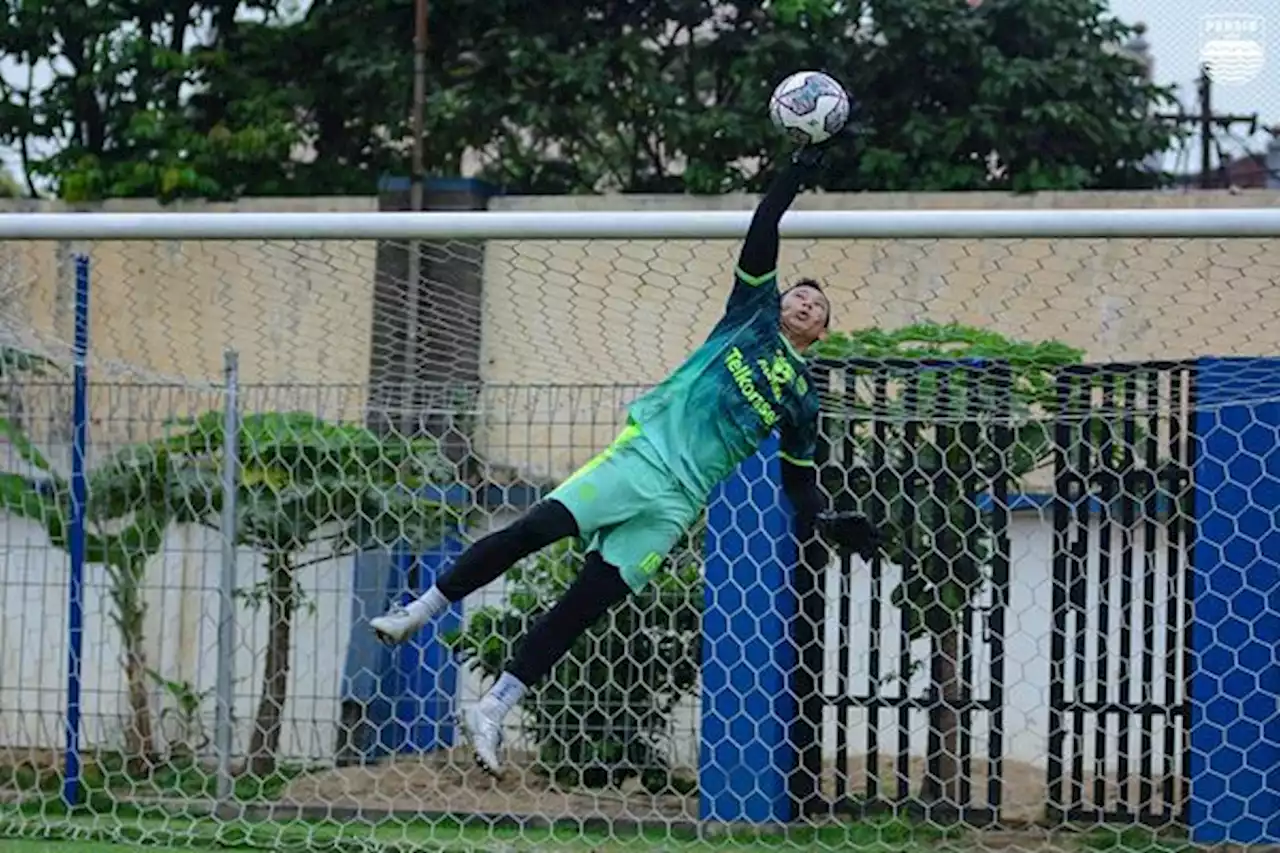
(25, 448)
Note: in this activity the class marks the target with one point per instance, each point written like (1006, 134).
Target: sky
(1239, 34)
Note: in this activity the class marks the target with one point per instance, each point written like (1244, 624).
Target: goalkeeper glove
(813, 154)
(849, 532)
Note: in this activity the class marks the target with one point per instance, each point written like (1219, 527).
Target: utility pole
(413, 286)
(1209, 123)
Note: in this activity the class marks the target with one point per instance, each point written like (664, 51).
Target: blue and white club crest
(1233, 47)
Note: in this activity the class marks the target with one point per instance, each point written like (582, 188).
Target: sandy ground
(449, 782)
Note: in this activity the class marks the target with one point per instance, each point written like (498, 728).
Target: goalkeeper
(635, 500)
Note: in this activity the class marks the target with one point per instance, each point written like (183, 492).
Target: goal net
(1069, 443)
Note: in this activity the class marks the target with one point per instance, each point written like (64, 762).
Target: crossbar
(642, 225)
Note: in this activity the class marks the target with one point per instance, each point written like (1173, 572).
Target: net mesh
(1033, 666)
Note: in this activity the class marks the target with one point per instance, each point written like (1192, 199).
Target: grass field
(23, 830)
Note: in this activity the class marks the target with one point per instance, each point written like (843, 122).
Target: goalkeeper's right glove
(850, 532)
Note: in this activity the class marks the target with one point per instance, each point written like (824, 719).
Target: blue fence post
(1235, 673)
(76, 532)
(746, 759)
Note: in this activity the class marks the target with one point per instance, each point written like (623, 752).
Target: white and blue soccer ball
(810, 107)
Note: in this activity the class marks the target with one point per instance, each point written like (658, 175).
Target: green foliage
(1034, 85)
(125, 525)
(951, 413)
(604, 714)
(569, 96)
(186, 735)
(120, 116)
(935, 434)
(304, 484)
(1025, 391)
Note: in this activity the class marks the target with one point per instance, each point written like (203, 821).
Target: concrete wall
(162, 312)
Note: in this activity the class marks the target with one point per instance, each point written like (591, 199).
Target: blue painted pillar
(1235, 646)
(748, 659)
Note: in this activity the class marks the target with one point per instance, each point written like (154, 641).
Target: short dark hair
(812, 284)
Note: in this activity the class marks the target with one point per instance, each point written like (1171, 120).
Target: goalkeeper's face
(805, 315)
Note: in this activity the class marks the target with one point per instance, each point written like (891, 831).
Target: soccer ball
(810, 107)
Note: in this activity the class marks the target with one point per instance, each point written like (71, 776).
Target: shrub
(604, 715)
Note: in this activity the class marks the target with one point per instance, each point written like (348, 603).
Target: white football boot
(485, 736)
(396, 625)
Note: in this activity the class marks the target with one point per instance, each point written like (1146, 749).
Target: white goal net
(1069, 439)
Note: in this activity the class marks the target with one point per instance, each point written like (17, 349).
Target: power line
(1209, 124)
(1262, 159)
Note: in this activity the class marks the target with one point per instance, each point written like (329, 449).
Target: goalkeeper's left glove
(849, 532)
(812, 155)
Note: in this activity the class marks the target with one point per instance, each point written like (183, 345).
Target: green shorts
(629, 508)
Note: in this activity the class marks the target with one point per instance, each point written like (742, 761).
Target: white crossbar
(641, 225)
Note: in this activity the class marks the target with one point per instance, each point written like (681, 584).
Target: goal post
(1119, 512)
(583, 225)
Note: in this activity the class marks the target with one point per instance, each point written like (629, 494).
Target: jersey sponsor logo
(779, 373)
(744, 378)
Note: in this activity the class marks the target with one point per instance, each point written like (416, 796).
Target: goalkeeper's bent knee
(596, 589)
(485, 561)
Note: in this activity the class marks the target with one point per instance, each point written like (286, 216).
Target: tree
(126, 516)
(1025, 95)
(960, 411)
(146, 99)
(670, 96)
(125, 527)
(304, 484)
(665, 96)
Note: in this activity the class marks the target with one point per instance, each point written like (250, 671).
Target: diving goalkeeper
(635, 500)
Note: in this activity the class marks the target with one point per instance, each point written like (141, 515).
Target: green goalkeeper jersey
(745, 382)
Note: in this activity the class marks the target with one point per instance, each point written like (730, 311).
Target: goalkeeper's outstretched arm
(758, 259)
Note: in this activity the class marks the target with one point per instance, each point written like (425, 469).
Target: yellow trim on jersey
(791, 348)
(754, 280)
(625, 437)
(804, 463)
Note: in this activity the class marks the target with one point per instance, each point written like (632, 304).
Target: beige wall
(590, 318)
(163, 312)
(628, 311)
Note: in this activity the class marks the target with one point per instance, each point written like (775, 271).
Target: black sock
(486, 560)
(598, 588)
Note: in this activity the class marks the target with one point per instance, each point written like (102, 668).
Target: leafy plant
(17, 366)
(125, 520)
(604, 714)
(304, 484)
(186, 735)
(953, 412)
